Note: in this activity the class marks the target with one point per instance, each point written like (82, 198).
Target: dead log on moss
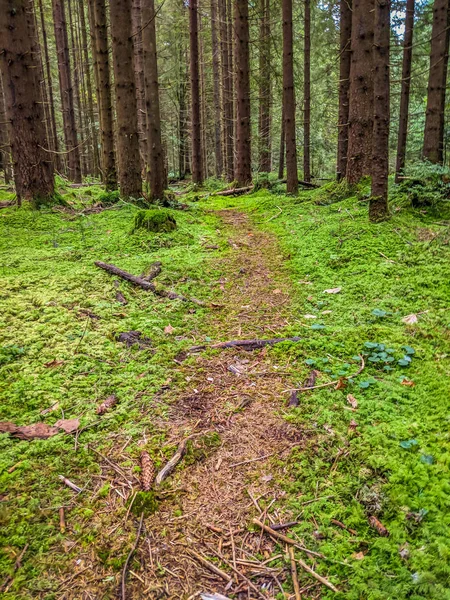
(235, 191)
(306, 184)
(145, 285)
(246, 344)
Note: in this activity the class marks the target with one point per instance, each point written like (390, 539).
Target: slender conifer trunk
(228, 135)
(307, 95)
(344, 84)
(265, 158)
(197, 171)
(289, 100)
(216, 90)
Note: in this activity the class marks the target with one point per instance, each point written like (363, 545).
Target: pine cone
(147, 472)
(107, 404)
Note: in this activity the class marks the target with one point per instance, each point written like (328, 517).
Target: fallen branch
(70, 484)
(306, 184)
(234, 191)
(322, 385)
(152, 271)
(285, 539)
(172, 463)
(322, 580)
(201, 559)
(278, 526)
(280, 210)
(144, 284)
(247, 344)
(130, 554)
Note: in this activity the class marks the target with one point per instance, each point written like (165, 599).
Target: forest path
(236, 395)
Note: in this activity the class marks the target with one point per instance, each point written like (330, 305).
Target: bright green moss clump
(158, 221)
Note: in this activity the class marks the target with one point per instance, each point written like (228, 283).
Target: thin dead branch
(130, 554)
(246, 344)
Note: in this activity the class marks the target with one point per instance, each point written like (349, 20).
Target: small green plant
(109, 198)
(156, 220)
(10, 353)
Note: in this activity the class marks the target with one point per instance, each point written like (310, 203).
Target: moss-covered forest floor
(266, 266)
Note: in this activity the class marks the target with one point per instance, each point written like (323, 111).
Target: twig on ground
(285, 539)
(130, 554)
(251, 460)
(201, 559)
(298, 596)
(322, 385)
(247, 344)
(275, 216)
(69, 483)
(323, 580)
(278, 526)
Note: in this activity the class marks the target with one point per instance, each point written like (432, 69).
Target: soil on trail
(236, 395)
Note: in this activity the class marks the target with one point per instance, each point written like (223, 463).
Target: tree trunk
(216, 90)
(182, 114)
(307, 95)
(282, 146)
(378, 204)
(197, 172)
(33, 169)
(405, 89)
(128, 158)
(243, 170)
(433, 141)
(344, 84)
(48, 71)
(5, 149)
(289, 100)
(203, 112)
(66, 89)
(156, 173)
(265, 162)
(360, 120)
(140, 82)
(226, 93)
(103, 83)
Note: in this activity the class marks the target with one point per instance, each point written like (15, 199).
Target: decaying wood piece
(246, 344)
(375, 523)
(152, 271)
(108, 403)
(172, 463)
(201, 559)
(144, 284)
(147, 472)
(306, 184)
(278, 526)
(40, 431)
(234, 191)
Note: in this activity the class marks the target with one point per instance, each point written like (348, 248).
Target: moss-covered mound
(156, 220)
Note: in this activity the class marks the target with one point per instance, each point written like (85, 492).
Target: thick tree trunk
(289, 100)
(90, 100)
(360, 120)
(182, 114)
(66, 89)
(265, 154)
(228, 135)
(433, 141)
(307, 95)
(282, 146)
(344, 84)
(156, 173)
(197, 172)
(5, 149)
(203, 111)
(140, 82)
(216, 90)
(100, 54)
(33, 169)
(378, 204)
(48, 72)
(243, 170)
(405, 89)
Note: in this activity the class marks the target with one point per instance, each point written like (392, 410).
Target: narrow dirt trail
(237, 396)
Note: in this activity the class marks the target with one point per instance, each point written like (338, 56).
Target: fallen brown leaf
(54, 363)
(408, 382)
(375, 523)
(332, 290)
(410, 319)
(169, 329)
(352, 401)
(358, 555)
(68, 425)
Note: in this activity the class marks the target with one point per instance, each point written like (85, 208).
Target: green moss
(145, 502)
(200, 448)
(158, 221)
(109, 198)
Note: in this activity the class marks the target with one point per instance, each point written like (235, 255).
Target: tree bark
(182, 114)
(90, 100)
(5, 148)
(289, 100)
(433, 141)
(307, 95)
(243, 170)
(378, 204)
(128, 160)
(103, 83)
(216, 90)
(33, 169)
(265, 158)
(197, 171)
(344, 84)
(282, 147)
(360, 120)
(66, 90)
(405, 89)
(228, 128)
(140, 82)
(156, 173)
